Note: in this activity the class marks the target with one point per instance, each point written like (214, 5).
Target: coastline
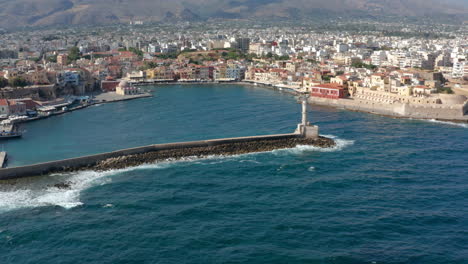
(392, 111)
(101, 101)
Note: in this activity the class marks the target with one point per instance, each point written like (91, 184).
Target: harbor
(305, 134)
(74, 104)
(306, 194)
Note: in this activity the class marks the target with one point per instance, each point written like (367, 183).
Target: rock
(63, 185)
(225, 149)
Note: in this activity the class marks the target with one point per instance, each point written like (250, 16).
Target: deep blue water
(393, 191)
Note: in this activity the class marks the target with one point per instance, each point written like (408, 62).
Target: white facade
(458, 70)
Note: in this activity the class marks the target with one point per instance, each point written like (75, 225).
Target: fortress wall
(429, 111)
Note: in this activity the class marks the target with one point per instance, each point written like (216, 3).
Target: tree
(136, 51)
(52, 58)
(363, 65)
(192, 61)
(3, 82)
(73, 53)
(18, 82)
(338, 73)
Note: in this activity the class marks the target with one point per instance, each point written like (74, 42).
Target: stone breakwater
(200, 152)
(171, 151)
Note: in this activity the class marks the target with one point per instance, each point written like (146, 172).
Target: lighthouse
(304, 112)
(305, 129)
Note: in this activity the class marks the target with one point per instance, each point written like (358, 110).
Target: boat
(10, 131)
(8, 135)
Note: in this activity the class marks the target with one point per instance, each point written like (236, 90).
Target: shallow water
(392, 191)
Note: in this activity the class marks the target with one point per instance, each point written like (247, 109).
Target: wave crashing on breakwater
(435, 121)
(47, 191)
(448, 123)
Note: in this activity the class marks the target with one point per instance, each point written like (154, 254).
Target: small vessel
(7, 135)
(10, 131)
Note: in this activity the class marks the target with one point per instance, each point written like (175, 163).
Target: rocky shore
(224, 149)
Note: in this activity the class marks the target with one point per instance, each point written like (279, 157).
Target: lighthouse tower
(305, 129)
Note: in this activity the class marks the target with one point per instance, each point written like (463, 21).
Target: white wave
(339, 145)
(447, 123)
(39, 192)
(43, 192)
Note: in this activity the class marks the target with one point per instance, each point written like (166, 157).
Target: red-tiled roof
(329, 86)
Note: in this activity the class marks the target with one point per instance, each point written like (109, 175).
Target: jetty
(305, 134)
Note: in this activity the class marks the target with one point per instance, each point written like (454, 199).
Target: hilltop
(19, 13)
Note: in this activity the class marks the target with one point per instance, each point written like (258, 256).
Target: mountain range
(20, 13)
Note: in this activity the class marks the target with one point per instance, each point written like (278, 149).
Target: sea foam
(448, 123)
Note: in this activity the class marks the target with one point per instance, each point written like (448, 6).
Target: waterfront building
(124, 88)
(136, 76)
(160, 74)
(219, 73)
(16, 107)
(235, 72)
(109, 85)
(4, 108)
(329, 90)
(12, 107)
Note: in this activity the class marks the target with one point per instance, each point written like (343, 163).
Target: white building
(378, 57)
(342, 47)
(459, 69)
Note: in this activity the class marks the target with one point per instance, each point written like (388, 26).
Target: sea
(390, 191)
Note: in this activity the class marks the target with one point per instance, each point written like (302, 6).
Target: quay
(101, 98)
(305, 134)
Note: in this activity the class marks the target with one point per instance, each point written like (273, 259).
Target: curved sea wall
(146, 154)
(399, 110)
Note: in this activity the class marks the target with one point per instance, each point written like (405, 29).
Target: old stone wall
(34, 92)
(430, 111)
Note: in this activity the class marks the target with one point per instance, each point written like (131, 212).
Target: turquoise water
(392, 191)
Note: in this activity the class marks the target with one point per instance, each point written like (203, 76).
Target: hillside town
(402, 73)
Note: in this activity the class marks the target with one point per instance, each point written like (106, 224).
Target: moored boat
(7, 135)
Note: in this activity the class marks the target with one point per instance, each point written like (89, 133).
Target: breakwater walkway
(305, 134)
(140, 155)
